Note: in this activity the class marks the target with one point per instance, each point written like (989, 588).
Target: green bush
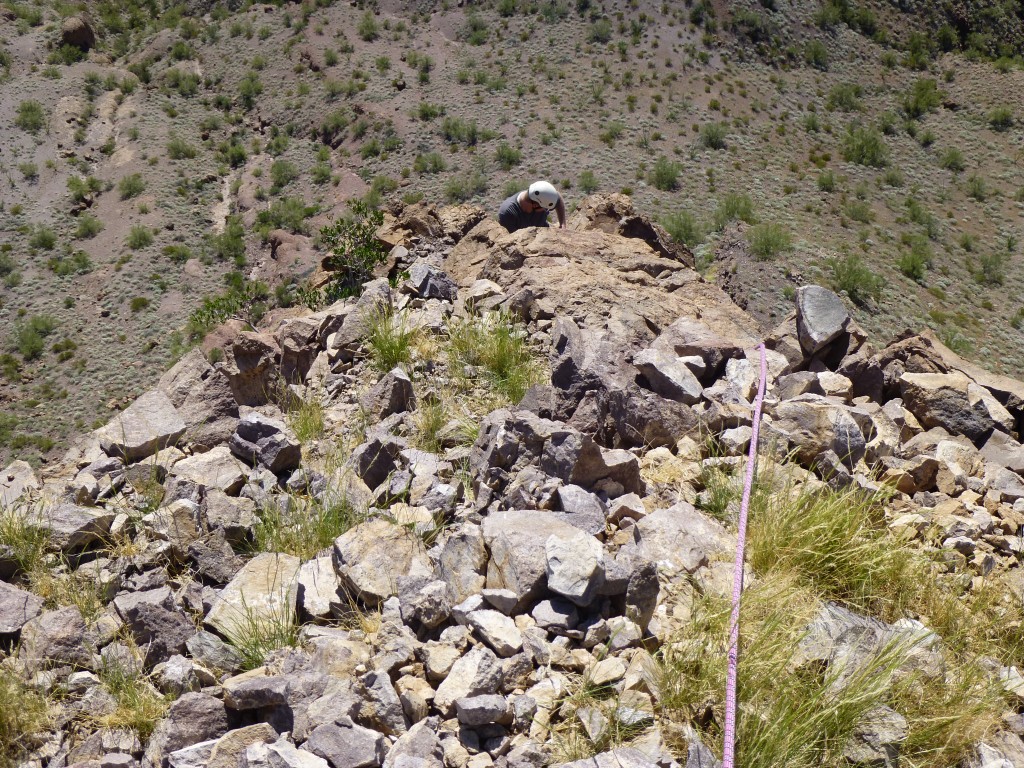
(712, 135)
(455, 130)
(768, 240)
(600, 31)
(230, 244)
(427, 111)
(464, 186)
(508, 157)
(131, 186)
(139, 236)
(827, 181)
(864, 145)
(664, 175)
(179, 149)
(860, 211)
(977, 188)
(915, 262)
(684, 228)
(282, 173)
(952, 159)
(816, 55)
(77, 263)
(31, 116)
(845, 97)
(177, 253)
(992, 268)
(732, 207)
(29, 337)
(431, 162)
(43, 238)
(185, 83)
(288, 213)
(355, 250)
(852, 275)
(29, 171)
(612, 133)
(138, 303)
(1001, 119)
(368, 29)
(248, 89)
(588, 183)
(475, 32)
(243, 299)
(923, 97)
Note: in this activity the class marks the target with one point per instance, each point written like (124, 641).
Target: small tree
(355, 250)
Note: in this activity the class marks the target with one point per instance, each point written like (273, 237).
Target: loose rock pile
(448, 626)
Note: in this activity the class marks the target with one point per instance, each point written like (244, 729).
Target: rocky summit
(484, 512)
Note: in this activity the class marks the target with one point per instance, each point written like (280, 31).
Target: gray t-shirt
(512, 217)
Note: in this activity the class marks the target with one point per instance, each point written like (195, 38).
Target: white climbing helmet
(544, 194)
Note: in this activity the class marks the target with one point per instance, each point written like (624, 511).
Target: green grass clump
(588, 183)
(712, 135)
(864, 146)
(31, 116)
(43, 238)
(76, 263)
(852, 275)
(306, 418)
(139, 705)
(131, 186)
(845, 97)
(768, 240)
(684, 228)
(923, 97)
(139, 236)
(389, 339)
(88, 227)
(465, 186)
(508, 157)
(30, 336)
(496, 345)
(430, 162)
(664, 175)
(734, 206)
(24, 718)
(368, 29)
(179, 149)
(1000, 119)
(309, 526)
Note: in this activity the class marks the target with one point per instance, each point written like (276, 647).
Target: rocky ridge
(479, 584)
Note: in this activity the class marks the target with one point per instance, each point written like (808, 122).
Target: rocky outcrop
(452, 594)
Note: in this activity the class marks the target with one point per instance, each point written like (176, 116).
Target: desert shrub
(508, 157)
(952, 159)
(82, 189)
(76, 263)
(465, 185)
(864, 145)
(768, 240)
(30, 336)
(29, 171)
(893, 177)
(475, 32)
(455, 130)
(918, 214)
(138, 303)
(977, 188)
(845, 97)
(827, 181)
(427, 111)
(588, 182)
(923, 97)
(368, 29)
(139, 236)
(600, 31)
(282, 173)
(992, 268)
(232, 152)
(185, 83)
(249, 87)
(177, 253)
(732, 207)
(612, 133)
(915, 262)
(664, 175)
(816, 54)
(243, 299)
(42, 238)
(229, 244)
(31, 116)
(852, 275)
(1000, 118)
(684, 228)
(496, 345)
(354, 250)
(288, 213)
(712, 135)
(859, 211)
(179, 149)
(431, 162)
(131, 186)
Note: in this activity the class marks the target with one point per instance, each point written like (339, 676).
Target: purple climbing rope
(729, 749)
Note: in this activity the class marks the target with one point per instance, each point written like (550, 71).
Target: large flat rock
(263, 591)
(148, 425)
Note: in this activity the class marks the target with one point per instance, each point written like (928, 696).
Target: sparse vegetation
(31, 116)
(768, 240)
(852, 275)
(864, 145)
(495, 344)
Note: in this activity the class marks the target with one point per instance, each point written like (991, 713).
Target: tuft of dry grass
(24, 715)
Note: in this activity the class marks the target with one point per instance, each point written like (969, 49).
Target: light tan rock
(264, 590)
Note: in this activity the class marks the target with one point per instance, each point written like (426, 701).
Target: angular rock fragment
(266, 442)
(148, 425)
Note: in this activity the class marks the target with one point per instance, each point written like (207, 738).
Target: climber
(530, 207)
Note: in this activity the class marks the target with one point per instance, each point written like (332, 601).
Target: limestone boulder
(17, 608)
(954, 402)
(215, 469)
(251, 366)
(371, 557)
(148, 425)
(204, 399)
(392, 394)
(680, 539)
(264, 590)
(821, 317)
(16, 480)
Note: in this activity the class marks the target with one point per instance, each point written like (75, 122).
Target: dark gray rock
(374, 460)
(17, 608)
(475, 711)
(267, 442)
(668, 377)
(255, 692)
(820, 317)
(555, 614)
(193, 718)
(346, 745)
(582, 510)
(56, 637)
(161, 632)
(214, 653)
(392, 394)
(431, 283)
